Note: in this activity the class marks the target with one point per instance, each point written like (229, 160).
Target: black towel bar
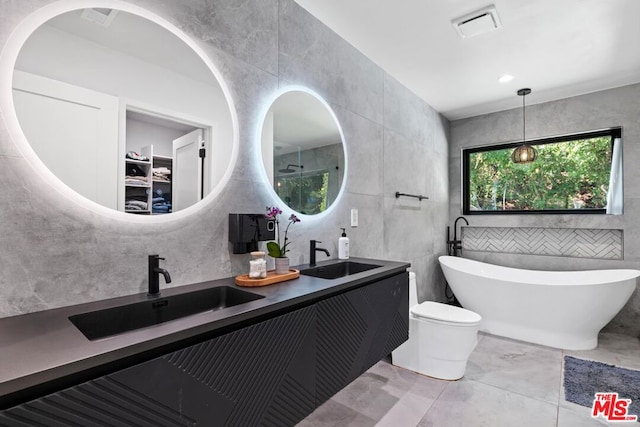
(419, 197)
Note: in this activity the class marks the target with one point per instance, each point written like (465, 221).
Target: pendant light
(525, 153)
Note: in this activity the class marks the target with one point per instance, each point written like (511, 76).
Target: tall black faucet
(154, 275)
(312, 251)
(454, 247)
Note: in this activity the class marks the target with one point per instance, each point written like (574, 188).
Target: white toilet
(441, 338)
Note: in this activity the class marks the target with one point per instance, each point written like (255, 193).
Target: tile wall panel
(568, 242)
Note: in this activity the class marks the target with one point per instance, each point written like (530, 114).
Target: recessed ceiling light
(505, 78)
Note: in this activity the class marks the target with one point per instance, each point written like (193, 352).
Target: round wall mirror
(124, 111)
(303, 151)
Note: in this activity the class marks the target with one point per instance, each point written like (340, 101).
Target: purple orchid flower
(275, 249)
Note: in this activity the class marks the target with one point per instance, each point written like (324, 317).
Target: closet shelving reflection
(161, 185)
(148, 184)
(138, 183)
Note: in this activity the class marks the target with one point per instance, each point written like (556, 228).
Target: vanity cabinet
(273, 372)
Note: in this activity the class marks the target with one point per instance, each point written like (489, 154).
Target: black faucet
(312, 252)
(154, 275)
(454, 247)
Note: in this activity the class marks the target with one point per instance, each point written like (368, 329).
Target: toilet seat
(446, 314)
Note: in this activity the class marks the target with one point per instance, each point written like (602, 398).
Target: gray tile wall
(54, 253)
(613, 107)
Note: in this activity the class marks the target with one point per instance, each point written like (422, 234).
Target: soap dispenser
(343, 246)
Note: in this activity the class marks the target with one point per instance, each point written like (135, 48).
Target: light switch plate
(354, 217)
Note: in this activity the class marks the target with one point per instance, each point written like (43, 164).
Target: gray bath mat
(584, 378)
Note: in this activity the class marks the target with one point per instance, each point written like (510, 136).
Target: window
(304, 192)
(570, 175)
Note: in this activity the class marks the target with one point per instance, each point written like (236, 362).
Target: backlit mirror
(123, 111)
(303, 151)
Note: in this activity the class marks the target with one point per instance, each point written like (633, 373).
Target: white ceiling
(137, 36)
(300, 121)
(558, 48)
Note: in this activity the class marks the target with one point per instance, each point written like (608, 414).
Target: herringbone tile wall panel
(569, 242)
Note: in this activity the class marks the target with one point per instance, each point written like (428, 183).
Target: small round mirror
(303, 151)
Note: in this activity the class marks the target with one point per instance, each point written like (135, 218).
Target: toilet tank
(413, 289)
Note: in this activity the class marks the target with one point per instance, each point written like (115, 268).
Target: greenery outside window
(570, 175)
(304, 192)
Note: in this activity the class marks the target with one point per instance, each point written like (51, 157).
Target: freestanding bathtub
(562, 309)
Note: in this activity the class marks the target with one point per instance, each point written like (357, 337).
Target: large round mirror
(303, 151)
(124, 111)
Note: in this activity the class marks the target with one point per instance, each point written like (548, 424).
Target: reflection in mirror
(303, 152)
(122, 111)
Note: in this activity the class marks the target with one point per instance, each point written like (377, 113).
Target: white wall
(65, 57)
(141, 134)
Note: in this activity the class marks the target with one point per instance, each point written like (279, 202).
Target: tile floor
(507, 383)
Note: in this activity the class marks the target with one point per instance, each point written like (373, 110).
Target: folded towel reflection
(135, 205)
(161, 202)
(162, 174)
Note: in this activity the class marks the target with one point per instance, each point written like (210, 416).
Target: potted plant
(279, 248)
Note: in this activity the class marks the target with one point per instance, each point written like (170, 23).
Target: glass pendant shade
(524, 153)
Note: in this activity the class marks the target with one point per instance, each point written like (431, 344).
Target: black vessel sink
(112, 321)
(340, 269)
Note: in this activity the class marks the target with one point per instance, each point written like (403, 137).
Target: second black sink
(116, 320)
(339, 269)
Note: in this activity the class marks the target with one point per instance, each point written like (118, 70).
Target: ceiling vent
(100, 16)
(478, 22)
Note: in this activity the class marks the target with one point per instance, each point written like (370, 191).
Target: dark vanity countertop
(45, 347)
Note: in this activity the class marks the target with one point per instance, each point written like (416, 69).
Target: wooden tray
(272, 277)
